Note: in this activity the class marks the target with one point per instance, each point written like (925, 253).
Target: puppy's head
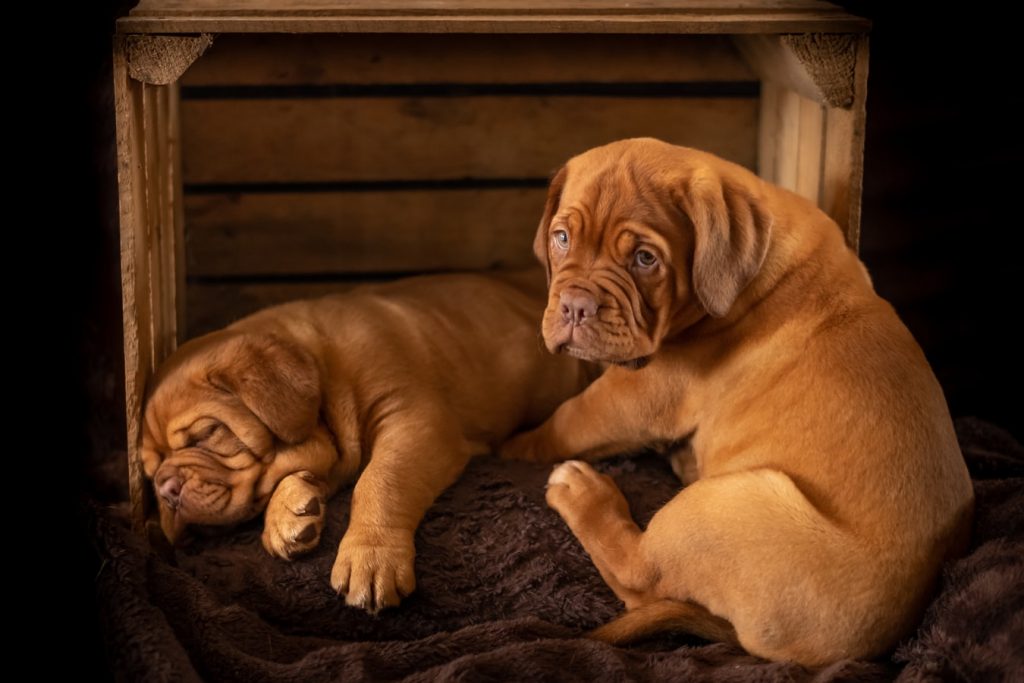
(639, 238)
(217, 412)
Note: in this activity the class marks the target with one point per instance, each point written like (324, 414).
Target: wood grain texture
(809, 150)
(809, 147)
(384, 59)
(843, 163)
(482, 16)
(218, 304)
(161, 60)
(348, 139)
(493, 7)
(818, 66)
(767, 129)
(361, 232)
(134, 267)
(151, 241)
(215, 305)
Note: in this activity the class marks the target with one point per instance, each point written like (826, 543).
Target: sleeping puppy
(403, 381)
(826, 486)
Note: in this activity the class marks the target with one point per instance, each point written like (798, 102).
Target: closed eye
(213, 436)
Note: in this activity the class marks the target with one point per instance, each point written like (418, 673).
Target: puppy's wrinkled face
(205, 446)
(616, 251)
(641, 239)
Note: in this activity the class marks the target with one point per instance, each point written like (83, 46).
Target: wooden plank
(484, 16)
(818, 66)
(790, 142)
(135, 296)
(787, 139)
(361, 232)
(767, 129)
(364, 139)
(692, 23)
(387, 59)
(215, 305)
(809, 151)
(177, 205)
(812, 119)
(843, 155)
(430, 7)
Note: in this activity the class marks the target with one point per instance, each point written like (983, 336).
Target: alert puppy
(825, 481)
(403, 381)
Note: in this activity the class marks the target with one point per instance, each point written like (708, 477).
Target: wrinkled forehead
(177, 392)
(607, 190)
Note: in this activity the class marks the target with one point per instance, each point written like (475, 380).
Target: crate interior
(312, 163)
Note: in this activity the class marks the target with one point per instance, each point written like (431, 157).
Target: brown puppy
(826, 485)
(405, 380)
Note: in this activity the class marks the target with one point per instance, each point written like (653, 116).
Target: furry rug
(505, 592)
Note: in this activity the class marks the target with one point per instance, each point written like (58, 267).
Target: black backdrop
(941, 221)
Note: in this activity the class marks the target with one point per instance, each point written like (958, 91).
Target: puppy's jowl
(399, 384)
(826, 484)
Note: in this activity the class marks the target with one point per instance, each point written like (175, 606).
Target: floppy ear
(278, 381)
(732, 229)
(540, 242)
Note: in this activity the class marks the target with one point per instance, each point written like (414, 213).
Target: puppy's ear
(275, 379)
(732, 229)
(540, 242)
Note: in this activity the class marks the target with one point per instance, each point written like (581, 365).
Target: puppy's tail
(665, 615)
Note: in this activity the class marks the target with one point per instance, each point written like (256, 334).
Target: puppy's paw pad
(313, 506)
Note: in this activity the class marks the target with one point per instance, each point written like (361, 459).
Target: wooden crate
(270, 149)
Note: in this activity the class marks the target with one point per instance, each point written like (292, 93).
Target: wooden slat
(440, 7)
(791, 141)
(843, 155)
(384, 59)
(215, 305)
(809, 160)
(177, 203)
(233, 141)
(767, 130)
(787, 145)
(134, 267)
(483, 16)
(811, 137)
(150, 233)
(361, 232)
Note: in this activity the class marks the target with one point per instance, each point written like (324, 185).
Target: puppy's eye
(561, 238)
(644, 258)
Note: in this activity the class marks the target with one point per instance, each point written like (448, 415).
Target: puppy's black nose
(578, 306)
(170, 490)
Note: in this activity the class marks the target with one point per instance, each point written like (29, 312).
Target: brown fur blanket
(505, 592)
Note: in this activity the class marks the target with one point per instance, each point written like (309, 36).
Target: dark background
(941, 222)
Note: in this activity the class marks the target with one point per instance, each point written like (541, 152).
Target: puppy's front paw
(375, 570)
(294, 516)
(581, 495)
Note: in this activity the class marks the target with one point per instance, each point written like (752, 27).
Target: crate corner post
(812, 118)
(146, 69)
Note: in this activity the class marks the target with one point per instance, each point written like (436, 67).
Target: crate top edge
(488, 16)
